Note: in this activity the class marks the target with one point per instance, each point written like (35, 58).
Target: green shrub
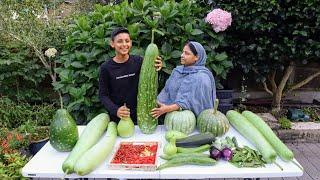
(87, 48)
(11, 165)
(269, 37)
(27, 31)
(20, 74)
(13, 115)
(285, 123)
(313, 112)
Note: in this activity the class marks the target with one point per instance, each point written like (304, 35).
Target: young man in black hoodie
(119, 78)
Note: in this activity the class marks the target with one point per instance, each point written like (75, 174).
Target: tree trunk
(277, 89)
(276, 101)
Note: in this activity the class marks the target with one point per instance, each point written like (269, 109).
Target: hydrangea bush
(219, 19)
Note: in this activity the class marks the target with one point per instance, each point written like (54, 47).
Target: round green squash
(213, 121)
(63, 131)
(183, 121)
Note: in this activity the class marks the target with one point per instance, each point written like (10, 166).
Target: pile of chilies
(135, 154)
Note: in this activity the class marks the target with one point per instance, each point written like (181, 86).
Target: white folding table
(47, 163)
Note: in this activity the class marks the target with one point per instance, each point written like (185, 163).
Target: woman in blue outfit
(190, 86)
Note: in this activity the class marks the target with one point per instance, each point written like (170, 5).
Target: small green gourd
(170, 148)
(125, 127)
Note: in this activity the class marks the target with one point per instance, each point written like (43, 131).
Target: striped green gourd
(213, 121)
(182, 121)
(147, 90)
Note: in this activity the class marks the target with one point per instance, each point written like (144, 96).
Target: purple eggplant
(226, 154)
(215, 153)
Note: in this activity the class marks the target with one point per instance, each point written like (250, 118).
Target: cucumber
(91, 134)
(174, 134)
(246, 129)
(92, 158)
(282, 150)
(199, 149)
(196, 160)
(196, 140)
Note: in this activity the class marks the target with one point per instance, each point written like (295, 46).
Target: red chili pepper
(135, 154)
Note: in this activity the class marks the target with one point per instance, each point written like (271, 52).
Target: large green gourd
(182, 121)
(213, 121)
(147, 90)
(63, 131)
(89, 137)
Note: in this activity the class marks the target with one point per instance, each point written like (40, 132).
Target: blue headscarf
(191, 87)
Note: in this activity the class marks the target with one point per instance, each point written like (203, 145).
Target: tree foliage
(28, 24)
(88, 46)
(270, 37)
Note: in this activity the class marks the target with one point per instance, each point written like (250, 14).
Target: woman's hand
(123, 112)
(158, 63)
(157, 112)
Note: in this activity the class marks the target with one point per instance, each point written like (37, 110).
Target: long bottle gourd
(147, 90)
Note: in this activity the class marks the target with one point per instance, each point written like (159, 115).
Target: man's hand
(158, 63)
(123, 112)
(157, 112)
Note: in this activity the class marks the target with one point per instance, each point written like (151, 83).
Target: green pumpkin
(63, 131)
(183, 121)
(213, 121)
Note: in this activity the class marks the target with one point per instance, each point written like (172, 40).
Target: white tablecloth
(47, 163)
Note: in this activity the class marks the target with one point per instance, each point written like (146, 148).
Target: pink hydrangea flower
(219, 19)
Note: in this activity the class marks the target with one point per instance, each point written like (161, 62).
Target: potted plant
(12, 141)
(38, 136)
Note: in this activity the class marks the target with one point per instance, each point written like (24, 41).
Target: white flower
(51, 52)
(14, 15)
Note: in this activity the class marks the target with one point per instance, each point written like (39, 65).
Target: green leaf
(150, 22)
(159, 32)
(217, 68)
(176, 54)
(165, 10)
(65, 75)
(57, 85)
(188, 27)
(75, 104)
(303, 33)
(99, 32)
(77, 93)
(158, 3)
(97, 16)
(83, 23)
(196, 32)
(80, 56)
(166, 48)
(133, 30)
(77, 64)
(221, 56)
(138, 4)
(227, 64)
